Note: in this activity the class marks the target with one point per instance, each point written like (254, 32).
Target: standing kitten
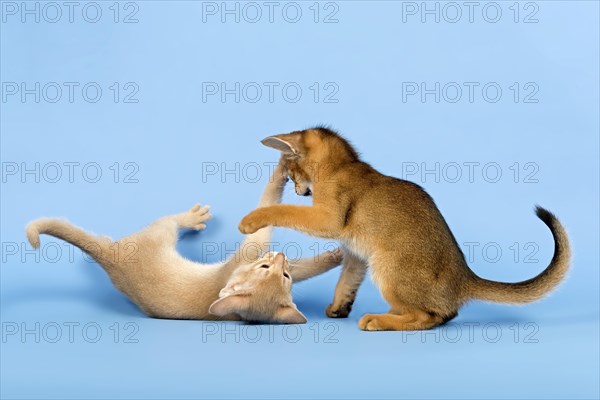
(394, 226)
(147, 268)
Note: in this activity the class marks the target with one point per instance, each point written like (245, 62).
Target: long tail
(535, 288)
(95, 246)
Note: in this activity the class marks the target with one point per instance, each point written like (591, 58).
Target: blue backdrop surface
(116, 113)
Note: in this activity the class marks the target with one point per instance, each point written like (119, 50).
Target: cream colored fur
(253, 285)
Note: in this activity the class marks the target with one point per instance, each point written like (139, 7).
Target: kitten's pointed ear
(290, 315)
(232, 304)
(289, 143)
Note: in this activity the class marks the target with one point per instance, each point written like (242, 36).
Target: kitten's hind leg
(408, 320)
(409, 310)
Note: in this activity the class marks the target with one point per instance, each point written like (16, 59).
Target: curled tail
(535, 288)
(95, 246)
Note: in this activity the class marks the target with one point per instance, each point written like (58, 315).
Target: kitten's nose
(279, 260)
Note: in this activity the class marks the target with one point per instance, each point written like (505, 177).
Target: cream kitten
(146, 267)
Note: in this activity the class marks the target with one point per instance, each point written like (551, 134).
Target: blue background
(546, 350)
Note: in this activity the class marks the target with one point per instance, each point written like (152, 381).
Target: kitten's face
(302, 154)
(261, 292)
(299, 175)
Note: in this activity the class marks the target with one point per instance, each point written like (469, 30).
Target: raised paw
(196, 217)
(250, 223)
(338, 312)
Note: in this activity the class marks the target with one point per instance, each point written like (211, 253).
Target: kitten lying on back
(395, 227)
(146, 267)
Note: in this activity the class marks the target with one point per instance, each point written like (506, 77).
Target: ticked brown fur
(395, 227)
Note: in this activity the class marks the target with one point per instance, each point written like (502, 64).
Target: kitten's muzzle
(280, 260)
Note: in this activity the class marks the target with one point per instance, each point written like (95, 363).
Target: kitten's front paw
(250, 224)
(196, 217)
(338, 312)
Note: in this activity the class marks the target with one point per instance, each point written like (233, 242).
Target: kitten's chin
(305, 193)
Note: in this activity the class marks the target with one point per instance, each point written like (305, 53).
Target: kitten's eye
(264, 266)
(286, 275)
